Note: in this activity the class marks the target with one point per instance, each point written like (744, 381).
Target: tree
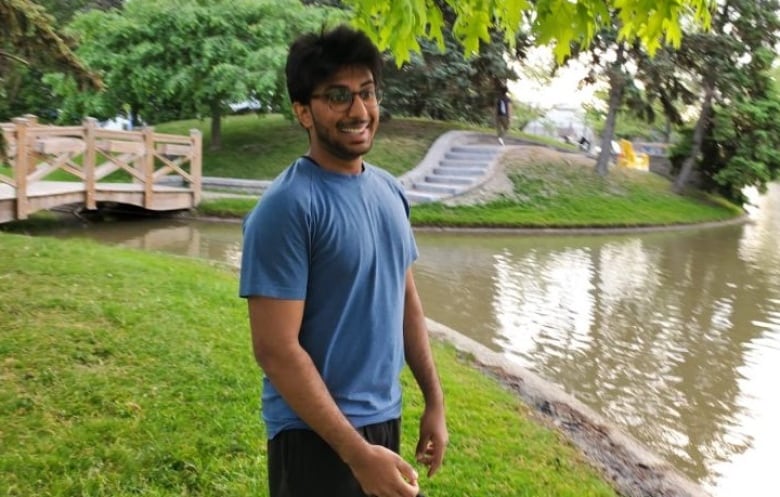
(729, 145)
(29, 39)
(744, 148)
(169, 59)
(618, 80)
(447, 85)
(397, 25)
(22, 82)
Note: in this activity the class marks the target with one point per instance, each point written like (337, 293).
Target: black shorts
(302, 464)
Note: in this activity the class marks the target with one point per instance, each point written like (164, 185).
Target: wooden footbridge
(87, 167)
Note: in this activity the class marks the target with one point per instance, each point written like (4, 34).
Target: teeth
(353, 130)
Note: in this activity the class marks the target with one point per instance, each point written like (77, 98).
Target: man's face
(342, 132)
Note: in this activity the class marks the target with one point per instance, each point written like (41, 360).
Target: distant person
(584, 144)
(333, 307)
(502, 114)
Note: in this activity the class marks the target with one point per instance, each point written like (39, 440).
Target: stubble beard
(339, 150)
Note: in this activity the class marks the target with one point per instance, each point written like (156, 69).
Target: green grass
(563, 194)
(130, 373)
(557, 195)
(545, 194)
(119, 176)
(261, 146)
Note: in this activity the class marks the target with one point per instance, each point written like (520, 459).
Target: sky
(560, 91)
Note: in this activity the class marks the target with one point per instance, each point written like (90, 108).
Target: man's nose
(357, 106)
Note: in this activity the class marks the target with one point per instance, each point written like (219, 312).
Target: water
(674, 336)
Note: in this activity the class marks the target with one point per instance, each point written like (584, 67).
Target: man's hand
(383, 473)
(433, 439)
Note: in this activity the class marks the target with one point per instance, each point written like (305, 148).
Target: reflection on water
(674, 336)
(213, 241)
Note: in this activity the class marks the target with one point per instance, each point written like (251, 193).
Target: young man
(502, 114)
(333, 308)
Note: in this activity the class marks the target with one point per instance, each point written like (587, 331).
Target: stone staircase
(449, 169)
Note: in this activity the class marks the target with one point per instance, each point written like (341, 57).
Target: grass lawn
(261, 146)
(546, 194)
(569, 195)
(129, 373)
(556, 195)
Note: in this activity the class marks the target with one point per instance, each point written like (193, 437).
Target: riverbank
(538, 188)
(129, 372)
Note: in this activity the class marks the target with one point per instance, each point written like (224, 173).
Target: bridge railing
(89, 154)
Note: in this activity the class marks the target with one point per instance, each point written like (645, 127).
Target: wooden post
(148, 171)
(20, 167)
(196, 165)
(33, 158)
(90, 125)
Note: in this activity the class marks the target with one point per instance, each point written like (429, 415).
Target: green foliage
(29, 37)
(735, 59)
(167, 59)
(445, 85)
(29, 45)
(25, 93)
(396, 25)
(741, 147)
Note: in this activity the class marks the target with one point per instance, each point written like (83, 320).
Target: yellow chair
(630, 159)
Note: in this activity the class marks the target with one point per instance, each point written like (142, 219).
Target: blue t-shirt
(343, 244)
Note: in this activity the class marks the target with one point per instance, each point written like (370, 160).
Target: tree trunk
(616, 83)
(667, 130)
(216, 127)
(698, 139)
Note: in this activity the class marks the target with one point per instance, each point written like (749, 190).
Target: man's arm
(275, 327)
(433, 427)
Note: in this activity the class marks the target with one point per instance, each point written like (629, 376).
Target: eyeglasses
(341, 99)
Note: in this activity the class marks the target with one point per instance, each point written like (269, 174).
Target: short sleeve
(276, 250)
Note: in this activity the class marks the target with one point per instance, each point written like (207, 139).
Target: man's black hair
(314, 58)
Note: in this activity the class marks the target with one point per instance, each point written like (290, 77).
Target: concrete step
(416, 197)
(488, 151)
(436, 188)
(459, 171)
(464, 163)
(477, 148)
(449, 180)
(456, 169)
(466, 156)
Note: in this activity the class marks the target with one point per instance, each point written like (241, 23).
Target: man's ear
(303, 114)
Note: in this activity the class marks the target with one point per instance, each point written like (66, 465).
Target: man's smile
(354, 128)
